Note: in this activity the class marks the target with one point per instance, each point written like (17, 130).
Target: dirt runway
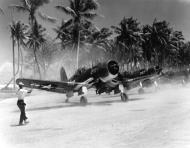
(153, 120)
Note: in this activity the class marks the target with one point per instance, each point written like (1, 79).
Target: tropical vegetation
(79, 42)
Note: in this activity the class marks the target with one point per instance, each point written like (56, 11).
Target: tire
(124, 97)
(141, 91)
(83, 100)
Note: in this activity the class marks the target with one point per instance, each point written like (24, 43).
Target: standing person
(21, 93)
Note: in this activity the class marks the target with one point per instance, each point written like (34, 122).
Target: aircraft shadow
(77, 104)
(130, 94)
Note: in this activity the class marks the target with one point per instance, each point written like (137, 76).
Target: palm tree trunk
(21, 55)
(18, 66)
(78, 48)
(36, 60)
(13, 44)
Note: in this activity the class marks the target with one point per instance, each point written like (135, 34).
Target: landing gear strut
(156, 85)
(83, 98)
(124, 96)
(141, 90)
(69, 94)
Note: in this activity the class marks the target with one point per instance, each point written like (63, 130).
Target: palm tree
(111, 52)
(35, 40)
(13, 45)
(20, 35)
(176, 39)
(156, 41)
(12, 29)
(128, 36)
(160, 38)
(175, 45)
(79, 10)
(147, 46)
(183, 55)
(64, 33)
(47, 54)
(98, 41)
(30, 6)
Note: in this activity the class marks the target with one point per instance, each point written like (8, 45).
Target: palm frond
(1, 11)
(47, 18)
(37, 3)
(67, 10)
(90, 5)
(26, 3)
(89, 15)
(67, 22)
(116, 29)
(19, 8)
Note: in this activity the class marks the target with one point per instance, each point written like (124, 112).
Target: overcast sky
(176, 12)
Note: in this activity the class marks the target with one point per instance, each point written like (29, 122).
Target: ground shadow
(136, 99)
(137, 110)
(118, 95)
(45, 129)
(14, 125)
(129, 94)
(78, 104)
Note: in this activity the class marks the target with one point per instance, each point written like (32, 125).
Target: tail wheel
(83, 100)
(141, 91)
(124, 97)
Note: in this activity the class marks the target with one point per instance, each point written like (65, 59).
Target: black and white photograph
(94, 73)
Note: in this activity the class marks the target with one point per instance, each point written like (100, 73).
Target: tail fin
(63, 74)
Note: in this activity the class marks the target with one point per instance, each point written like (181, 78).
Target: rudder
(63, 74)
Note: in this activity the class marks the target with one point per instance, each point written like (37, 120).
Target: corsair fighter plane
(104, 77)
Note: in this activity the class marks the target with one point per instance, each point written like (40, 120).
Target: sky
(176, 12)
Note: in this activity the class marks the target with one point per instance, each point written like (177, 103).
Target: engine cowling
(106, 71)
(113, 67)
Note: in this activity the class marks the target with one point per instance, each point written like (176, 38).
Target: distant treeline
(78, 42)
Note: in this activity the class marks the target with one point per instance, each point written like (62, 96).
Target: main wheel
(141, 91)
(83, 100)
(124, 97)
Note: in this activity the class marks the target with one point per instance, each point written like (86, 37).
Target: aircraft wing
(142, 78)
(134, 79)
(53, 86)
